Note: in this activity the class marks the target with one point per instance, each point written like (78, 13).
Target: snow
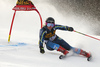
(26, 30)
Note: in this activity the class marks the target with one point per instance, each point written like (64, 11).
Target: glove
(42, 50)
(70, 29)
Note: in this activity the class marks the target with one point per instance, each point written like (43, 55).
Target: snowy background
(26, 32)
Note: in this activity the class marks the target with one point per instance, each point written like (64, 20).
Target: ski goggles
(50, 24)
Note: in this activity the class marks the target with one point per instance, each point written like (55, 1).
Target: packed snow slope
(23, 50)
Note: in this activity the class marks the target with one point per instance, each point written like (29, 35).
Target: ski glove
(42, 50)
(70, 29)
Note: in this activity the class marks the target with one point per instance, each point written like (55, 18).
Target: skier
(54, 42)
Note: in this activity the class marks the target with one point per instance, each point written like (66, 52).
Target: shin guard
(84, 53)
(81, 52)
(63, 50)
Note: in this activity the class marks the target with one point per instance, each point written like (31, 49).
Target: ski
(89, 58)
(62, 56)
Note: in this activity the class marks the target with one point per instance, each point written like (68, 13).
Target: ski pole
(87, 35)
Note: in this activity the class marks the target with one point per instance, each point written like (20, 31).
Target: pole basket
(23, 5)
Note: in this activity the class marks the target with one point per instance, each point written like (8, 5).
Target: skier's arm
(61, 27)
(42, 33)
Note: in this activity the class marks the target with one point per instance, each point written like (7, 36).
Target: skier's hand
(42, 50)
(70, 29)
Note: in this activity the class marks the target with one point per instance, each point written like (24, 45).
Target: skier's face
(50, 28)
(50, 25)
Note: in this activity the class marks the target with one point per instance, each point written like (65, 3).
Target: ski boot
(86, 54)
(64, 51)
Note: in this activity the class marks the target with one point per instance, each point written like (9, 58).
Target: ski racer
(54, 42)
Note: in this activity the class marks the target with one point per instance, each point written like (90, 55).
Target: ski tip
(61, 56)
(89, 58)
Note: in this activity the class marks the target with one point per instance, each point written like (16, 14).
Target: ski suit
(53, 42)
(51, 39)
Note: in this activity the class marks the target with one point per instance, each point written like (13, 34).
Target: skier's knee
(76, 50)
(50, 49)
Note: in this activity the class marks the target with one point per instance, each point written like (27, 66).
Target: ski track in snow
(28, 55)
